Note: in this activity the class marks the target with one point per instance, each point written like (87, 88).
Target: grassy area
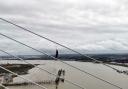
(17, 68)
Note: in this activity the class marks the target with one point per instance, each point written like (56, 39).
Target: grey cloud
(80, 24)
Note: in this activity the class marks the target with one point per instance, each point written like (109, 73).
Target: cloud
(80, 24)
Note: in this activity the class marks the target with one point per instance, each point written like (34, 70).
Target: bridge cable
(23, 78)
(25, 29)
(61, 61)
(77, 85)
(3, 86)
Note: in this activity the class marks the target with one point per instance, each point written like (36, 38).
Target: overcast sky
(85, 25)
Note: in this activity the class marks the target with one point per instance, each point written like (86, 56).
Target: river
(74, 75)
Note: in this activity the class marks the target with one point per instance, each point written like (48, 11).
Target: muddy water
(80, 78)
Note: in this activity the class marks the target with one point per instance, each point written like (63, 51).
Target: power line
(23, 78)
(41, 68)
(62, 61)
(25, 29)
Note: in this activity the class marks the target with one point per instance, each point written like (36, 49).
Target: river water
(74, 75)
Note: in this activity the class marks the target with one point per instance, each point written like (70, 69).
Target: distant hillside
(121, 58)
